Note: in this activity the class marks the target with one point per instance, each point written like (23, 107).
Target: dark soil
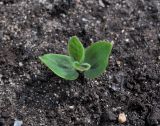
(30, 92)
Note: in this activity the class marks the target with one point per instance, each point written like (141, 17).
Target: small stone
(71, 107)
(127, 40)
(123, 31)
(84, 19)
(122, 118)
(56, 95)
(118, 63)
(20, 64)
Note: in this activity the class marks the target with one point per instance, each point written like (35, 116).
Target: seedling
(92, 61)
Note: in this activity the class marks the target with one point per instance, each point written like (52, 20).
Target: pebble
(20, 64)
(118, 63)
(84, 19)
(123, 31)
(122, 118)
(71, 107)
(127, 40)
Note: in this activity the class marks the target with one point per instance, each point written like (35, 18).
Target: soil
(30, 92)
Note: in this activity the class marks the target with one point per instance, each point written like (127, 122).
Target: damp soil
(30, 92)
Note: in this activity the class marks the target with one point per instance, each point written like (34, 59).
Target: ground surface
(32, 93)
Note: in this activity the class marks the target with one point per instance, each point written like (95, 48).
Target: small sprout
(92, 61)
(81, 66)
(122, 118)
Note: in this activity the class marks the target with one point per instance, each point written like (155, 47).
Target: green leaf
(76, 49)
(81, 66)
(61, 65)
(97, 55)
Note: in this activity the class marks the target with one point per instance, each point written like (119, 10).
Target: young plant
(92, 61)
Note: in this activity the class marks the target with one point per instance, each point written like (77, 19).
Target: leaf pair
(92, 60)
